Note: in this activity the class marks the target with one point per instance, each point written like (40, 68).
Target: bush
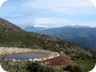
(35, 67)
(71, 68)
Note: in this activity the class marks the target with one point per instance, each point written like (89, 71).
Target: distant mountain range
(82, 35)
(36, 28)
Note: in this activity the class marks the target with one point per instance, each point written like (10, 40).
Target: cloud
(50, 21)
(64, 6)
(55, 22)
(40, 25)
(67, 7)
(49, 12)
(93, 2)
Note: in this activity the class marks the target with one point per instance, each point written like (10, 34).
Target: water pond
(25, 56)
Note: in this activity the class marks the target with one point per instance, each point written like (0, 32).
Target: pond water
(25, 56)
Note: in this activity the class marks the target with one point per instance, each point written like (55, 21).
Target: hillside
(16, 37)
(8, 26)
(84, 36)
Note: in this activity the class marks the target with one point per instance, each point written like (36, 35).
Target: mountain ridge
(8, 26)
(34, 29)
(84, 36)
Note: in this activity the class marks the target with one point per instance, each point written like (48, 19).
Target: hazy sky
(52, 13)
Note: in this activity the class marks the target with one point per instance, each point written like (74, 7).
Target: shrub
(71, 68)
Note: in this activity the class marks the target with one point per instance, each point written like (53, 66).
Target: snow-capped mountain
(36, 28)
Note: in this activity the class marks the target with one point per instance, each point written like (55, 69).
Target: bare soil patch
(59, 61)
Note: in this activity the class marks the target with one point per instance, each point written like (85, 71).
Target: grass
(86, 64)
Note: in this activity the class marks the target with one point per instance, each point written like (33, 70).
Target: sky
(49, 13)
